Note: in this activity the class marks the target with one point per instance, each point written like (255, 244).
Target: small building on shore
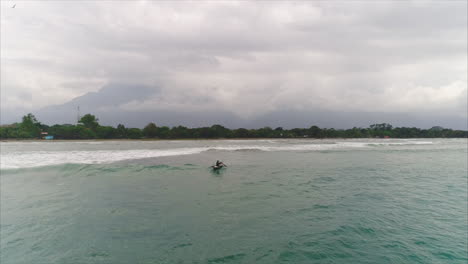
(45, 135)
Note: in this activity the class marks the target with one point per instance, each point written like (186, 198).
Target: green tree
(80, 132)
(121, 131)
(206, 132)
(163, 132)
(265, 132)
(381, 130)
(106, 132)
(315, 131)
(299, 132)
(241, 133)
(353, 133)
(219, 131)
(10, 131)
(71, 132)
(90, 121)
(134, 133)
(29, 127)
(150, 130)
(180, 132)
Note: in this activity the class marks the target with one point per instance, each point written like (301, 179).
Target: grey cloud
(287, 117)
(112, 95)
(246, 59)
(109, 98)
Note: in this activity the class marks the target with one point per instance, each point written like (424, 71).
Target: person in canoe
(218, 165)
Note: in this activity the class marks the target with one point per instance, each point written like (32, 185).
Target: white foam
(271, 148)
(27, 159)
(399, 143)
(44, 158)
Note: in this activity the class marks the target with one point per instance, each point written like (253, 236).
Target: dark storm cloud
(245, 58)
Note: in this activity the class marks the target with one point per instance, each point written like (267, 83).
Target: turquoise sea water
(279, 201)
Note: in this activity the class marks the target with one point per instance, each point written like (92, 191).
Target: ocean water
(279, 201)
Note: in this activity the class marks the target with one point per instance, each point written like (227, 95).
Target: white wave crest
(35, 158)
(46, 158)
(400, 143)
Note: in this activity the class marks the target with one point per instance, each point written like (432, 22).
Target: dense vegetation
(89, 128)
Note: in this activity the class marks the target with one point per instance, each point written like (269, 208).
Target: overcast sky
(246, 58)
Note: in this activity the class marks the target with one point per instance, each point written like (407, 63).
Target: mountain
(105, 105)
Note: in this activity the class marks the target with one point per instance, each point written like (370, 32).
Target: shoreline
(146, 139)
(192, 139)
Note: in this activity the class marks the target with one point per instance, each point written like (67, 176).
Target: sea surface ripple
(279, 201)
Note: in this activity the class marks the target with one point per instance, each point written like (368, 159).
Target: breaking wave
(28, 159)
(46, 158)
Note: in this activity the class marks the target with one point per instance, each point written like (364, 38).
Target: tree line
(88, 127)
